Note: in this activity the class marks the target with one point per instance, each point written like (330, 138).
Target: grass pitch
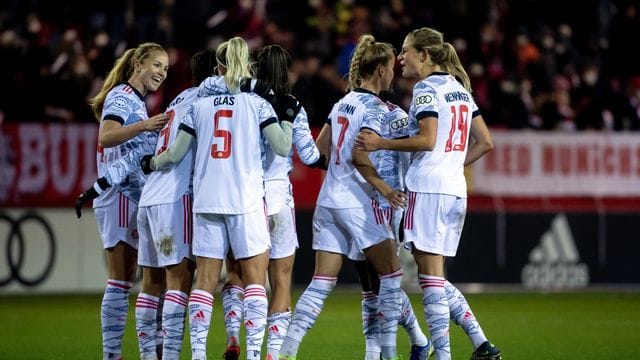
(524, 325)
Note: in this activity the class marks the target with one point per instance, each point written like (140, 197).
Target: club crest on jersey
(423, 99)
(120, 102)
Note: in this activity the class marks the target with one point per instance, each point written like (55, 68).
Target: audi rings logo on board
(29, 249)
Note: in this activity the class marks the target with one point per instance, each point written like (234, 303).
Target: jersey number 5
(224, 134)
(458, 123)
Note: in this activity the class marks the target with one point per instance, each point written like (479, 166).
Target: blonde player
(272, 68)
(345, 218)
(228, 193)
(124, 125)
(444, 116)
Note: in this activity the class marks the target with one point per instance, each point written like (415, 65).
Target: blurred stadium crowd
(538, 64)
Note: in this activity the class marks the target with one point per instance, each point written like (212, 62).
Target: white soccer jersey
(167, 186)
(441, 171)
(343, 186)
(125, 105)
(228, 174)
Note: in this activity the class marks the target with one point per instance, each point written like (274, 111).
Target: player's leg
(210, 244)
(311, 302)
(171, 226)
(174, 311)
(462, 315)
(147, 308)
(423, 228)
(331, 244)
(153, 284)
(249, 240)
(117, 225)
(369, 283)
(384, 260)
(232, 294)
(284, 242)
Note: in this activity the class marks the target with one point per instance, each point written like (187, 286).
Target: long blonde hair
(233, 54)
(121, 71)
(441, 52)
(367, 55)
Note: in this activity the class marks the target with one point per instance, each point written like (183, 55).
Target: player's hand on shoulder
(260, 88)
(367, 140)
(287, 107)
(156, 122)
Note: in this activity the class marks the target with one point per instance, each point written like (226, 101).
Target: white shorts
(165, 233)
(282, 228)
(117, 222)
(246, 235)
(392, 217)
(347, 231)
(278, 195)
(433, 222)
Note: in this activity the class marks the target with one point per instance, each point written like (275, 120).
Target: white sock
(370, 325)
(277, 324)
(462, 315)
(146, 327)
(200, 308)
(232, 303)
(307, 310)
(389, 304)
(255, 318)
(410, 323)
(173, 314)
(436, 310)
(113, 315)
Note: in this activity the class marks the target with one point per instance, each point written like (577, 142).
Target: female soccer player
(444, 116)
(228, 193)
(124, 125)
(345, 219)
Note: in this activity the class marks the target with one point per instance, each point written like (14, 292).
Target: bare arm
(482, 140)
(360, 159)
(112, 133)
(323, 142)
(425, 140)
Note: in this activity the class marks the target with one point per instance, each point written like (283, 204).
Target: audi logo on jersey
(15, 248)
(424, 99)
(399, 123)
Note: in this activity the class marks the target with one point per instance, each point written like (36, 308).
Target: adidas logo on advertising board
(555, 262)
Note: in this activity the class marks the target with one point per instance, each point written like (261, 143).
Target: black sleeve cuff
(424, 114)
(114, 118)
(187, 129)
(268, 122)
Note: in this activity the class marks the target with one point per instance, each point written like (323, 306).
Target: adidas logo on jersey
(555, 262)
